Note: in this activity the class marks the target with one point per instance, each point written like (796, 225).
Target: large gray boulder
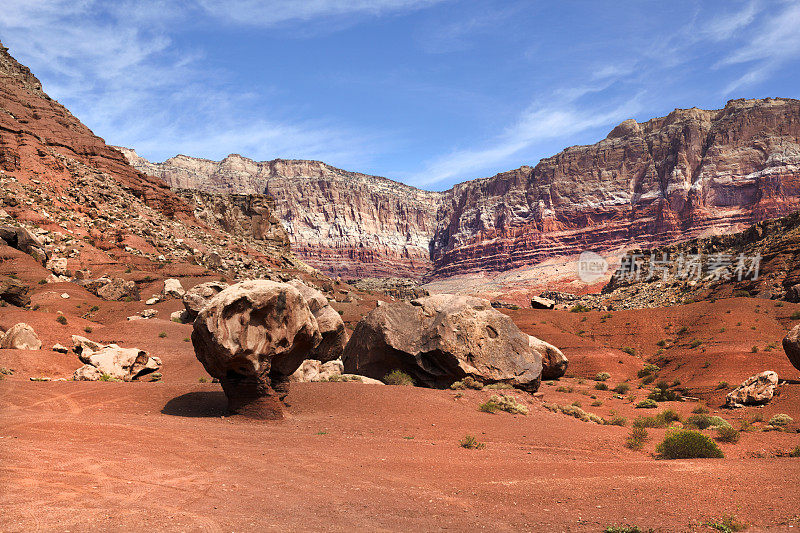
(441, 339)
(20, 337)
(111, 289)
(330, 323)
(252, 336)
(554, 362)
(198, 297)
(755, 390)
(791, 345)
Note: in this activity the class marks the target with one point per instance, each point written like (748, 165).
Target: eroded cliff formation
(343, 223)
(691, 173)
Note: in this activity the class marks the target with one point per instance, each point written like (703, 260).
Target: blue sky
(429, 92)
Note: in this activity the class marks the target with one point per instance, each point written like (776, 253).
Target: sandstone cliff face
(691, 173)
(344, 223)
(673, 178)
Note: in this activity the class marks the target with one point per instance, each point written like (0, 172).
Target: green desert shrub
(700, 410)
(61, 319)
(647, 404)
(662, 393)
(661, 420)
(618, 420)
(579, 308)
(471, 443)
(398, 377)
(467, 383)
(600, 386)
(688, 444)
(648, 370)
(705, 422)
(622, 388)
(636, 438)
(727, 434)
(602, 376)
(780, 420)
(505, 403)
(624, 529)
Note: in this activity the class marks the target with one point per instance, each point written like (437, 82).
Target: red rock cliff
(692, 173)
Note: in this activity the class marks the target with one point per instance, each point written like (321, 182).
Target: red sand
(160, 456)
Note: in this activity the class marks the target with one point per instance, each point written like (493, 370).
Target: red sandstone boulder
(441, 339)
(252, 336)
(554, 362)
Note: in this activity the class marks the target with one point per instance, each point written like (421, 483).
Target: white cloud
(768, 46)
(537, 124)
(273, 12)
(118, 71)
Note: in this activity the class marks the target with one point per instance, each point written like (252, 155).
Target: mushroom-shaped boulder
(331, 325)
(252, 336)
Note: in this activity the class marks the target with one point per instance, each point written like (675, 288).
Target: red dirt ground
(78, 456)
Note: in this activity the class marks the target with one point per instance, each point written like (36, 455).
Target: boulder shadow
(201, 404)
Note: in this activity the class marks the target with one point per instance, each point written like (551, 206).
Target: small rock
(65, 295)
(60, 348)
(173, 288)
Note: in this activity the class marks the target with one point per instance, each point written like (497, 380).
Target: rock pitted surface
(252, 336)
(330, 324)
(690, 173)
(441, 339)
(791, 345)
(109, 361)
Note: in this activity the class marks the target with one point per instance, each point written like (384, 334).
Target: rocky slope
(93, 211)
(342, 222)
(692, 173)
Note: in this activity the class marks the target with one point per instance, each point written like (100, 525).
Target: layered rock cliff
(691, 173)
(344, 223)
(673, 178)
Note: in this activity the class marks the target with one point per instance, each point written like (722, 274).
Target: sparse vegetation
(202, 380)
(498, 386)
(727, 524)
(648, 370)
(625, 529)
(622, 388)
(107, 377)
(187, 339)
(795, 315)
(688, 444)
(705, 422)
(469, 442)
(87, 329)
(467, 383)
(602, 376)
(597, 403)
(661, 420)
(727, 434)
(754, 349)
(647, 404)
(576, 412)
(579, 308)
(398, 377)
(662, 393)
(636, 438)
(700, 410)
(505, 403)
(600, 386)
(618, 420)
(628, 350)
(163, 335)
(695, 343)
(61, 319)
(722, 385)
(562, 388)
(780, 420)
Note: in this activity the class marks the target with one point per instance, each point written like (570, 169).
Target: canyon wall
(343, 223)
(692, 173)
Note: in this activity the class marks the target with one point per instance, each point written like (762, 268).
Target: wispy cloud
(272, 12)
(120, 72)
(768, 46)
(538, 123)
